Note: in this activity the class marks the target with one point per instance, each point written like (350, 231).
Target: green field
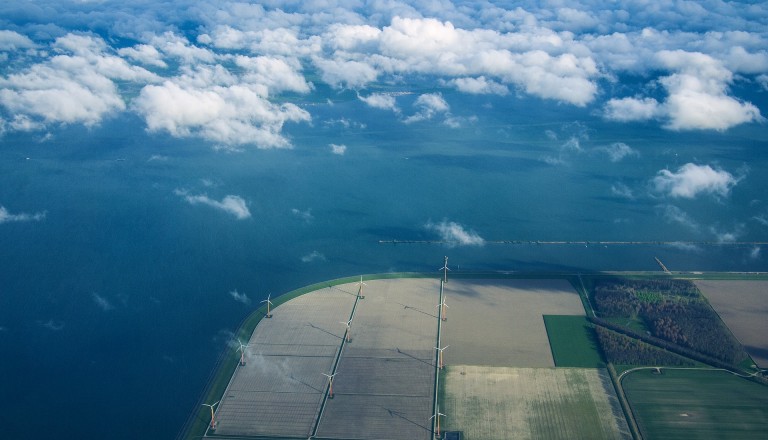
(697, 404)
(573, 342)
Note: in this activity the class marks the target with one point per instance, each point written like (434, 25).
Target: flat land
(743, 306)
(500, 322)
(490, 403)
(697, 404)
(281, 387)
(385, 382)
(573, 341)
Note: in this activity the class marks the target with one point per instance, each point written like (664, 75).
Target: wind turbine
(349, 328)
(445, 270)
(330, 383)
(213, 415)
(269, 303)
(437, 419)
(242, 352)
(444, 311)
(440, 360)
(360, 288)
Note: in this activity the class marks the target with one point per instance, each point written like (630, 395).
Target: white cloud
(145, 54)
(313, 256)
(479, 85)
(227, 114)
(52, 324)
(306, 216)
(429, 104)
(621, 190)
(338, 149)
(382, 101)
(675, 215)
(239, 297)
(755, 253)
(10, 41)
(103, 303)
(7, 217)
(233, 205)
(631, 109)
(691, 180)
(618, 151)
(454, 234)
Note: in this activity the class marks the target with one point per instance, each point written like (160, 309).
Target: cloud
(618, 151)
(11, 41)
(479, 85)
(239, 297)
(382, 101)
(755, 253)
(102, 302)
(7, 217)
(313, 256)
(632, 109)
(429, 104)
(233, 205)
(675, 215)
(621, 190)
(235, 114)
(454, 234)
(75, 86)
(691, 180)
(52, 324)
(338, 149)
(306, 216)
(145, 54)
(697, 96)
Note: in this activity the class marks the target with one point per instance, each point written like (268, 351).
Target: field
(489, 403)
(697, 404)
(743, 306)
(573, 342)
(500, 322)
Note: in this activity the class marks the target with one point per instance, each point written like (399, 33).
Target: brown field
(743, 306)
(501, 323)
(489, 403)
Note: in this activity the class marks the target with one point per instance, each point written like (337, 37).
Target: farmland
(489, 403)
(697, 404)
(573, 342)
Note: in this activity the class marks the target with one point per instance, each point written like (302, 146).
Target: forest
(672, 310)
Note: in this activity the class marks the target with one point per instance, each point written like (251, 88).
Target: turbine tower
(436, 417)
(330, 383)
(440, 359)
(269, 304)
(349, 329)
(445, 270)
(360, 288)
(444, 309)
(213, 415)
(242, 352)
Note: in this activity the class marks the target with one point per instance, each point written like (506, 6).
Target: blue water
(115, 305)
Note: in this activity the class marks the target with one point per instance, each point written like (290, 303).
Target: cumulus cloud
(674, 215)
(755, 253)
(618, 151)
(382, 101)
(75, 86)
(429, 104)
(479, 85)
(454, 234)
(227, 114)
(233, 205)
(102, 302)
(697, 96)
(338, 149)
(306, 215)
(11, 41)
(145, 54)
(313, 256)
(691, 180)
(7, 217)
(239, 297)
(621, 190)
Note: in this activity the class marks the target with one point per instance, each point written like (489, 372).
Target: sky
(164, 166)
